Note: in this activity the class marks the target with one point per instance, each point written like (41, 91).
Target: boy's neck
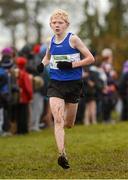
(60, 37)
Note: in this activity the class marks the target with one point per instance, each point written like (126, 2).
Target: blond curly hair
(60, 13)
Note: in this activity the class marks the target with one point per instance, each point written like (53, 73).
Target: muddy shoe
(63, 162)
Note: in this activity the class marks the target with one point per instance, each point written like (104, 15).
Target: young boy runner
(64, 89)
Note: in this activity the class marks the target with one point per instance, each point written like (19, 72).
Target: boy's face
(58, 25)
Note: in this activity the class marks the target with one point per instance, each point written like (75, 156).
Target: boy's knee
(59, 122)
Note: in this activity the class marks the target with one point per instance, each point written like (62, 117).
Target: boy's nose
(57, 24)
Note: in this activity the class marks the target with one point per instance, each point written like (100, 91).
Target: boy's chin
(57, 32)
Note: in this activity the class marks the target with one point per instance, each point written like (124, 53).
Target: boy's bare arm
(88, 57)
(46, 58)
(45, 61)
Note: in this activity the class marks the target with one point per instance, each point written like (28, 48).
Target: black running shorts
(67, 90)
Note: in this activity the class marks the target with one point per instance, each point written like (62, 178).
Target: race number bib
(68, 57)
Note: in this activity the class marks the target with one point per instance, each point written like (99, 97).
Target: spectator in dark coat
(123, 90)
(5, 94)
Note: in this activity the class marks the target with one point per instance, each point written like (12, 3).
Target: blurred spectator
(5, 93)
(43, 50)
(26, 93)
(27, 52)
(110, 93)
(123, 90)
(47, 115)
(7, 51)
(93, 86)
(36, 59)
(37, 103)
(107, 55)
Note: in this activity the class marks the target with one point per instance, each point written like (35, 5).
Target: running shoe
(63, 162)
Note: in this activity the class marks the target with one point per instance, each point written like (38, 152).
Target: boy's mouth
(57, 30)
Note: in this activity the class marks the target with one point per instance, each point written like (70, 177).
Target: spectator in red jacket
(25, 96)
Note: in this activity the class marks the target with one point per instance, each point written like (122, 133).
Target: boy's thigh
(56, 103)
(57, 106)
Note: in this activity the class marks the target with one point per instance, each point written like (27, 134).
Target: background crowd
(24, 105)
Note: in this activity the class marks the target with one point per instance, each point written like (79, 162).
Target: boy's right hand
(40, 68)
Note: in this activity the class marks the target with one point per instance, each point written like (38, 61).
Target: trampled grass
(99, 151)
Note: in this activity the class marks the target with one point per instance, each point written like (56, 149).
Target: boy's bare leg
(70, 114)
(57, 108)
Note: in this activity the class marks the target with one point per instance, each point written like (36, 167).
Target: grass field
(99, 151)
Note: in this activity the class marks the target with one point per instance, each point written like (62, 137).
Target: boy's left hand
(63, 65)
